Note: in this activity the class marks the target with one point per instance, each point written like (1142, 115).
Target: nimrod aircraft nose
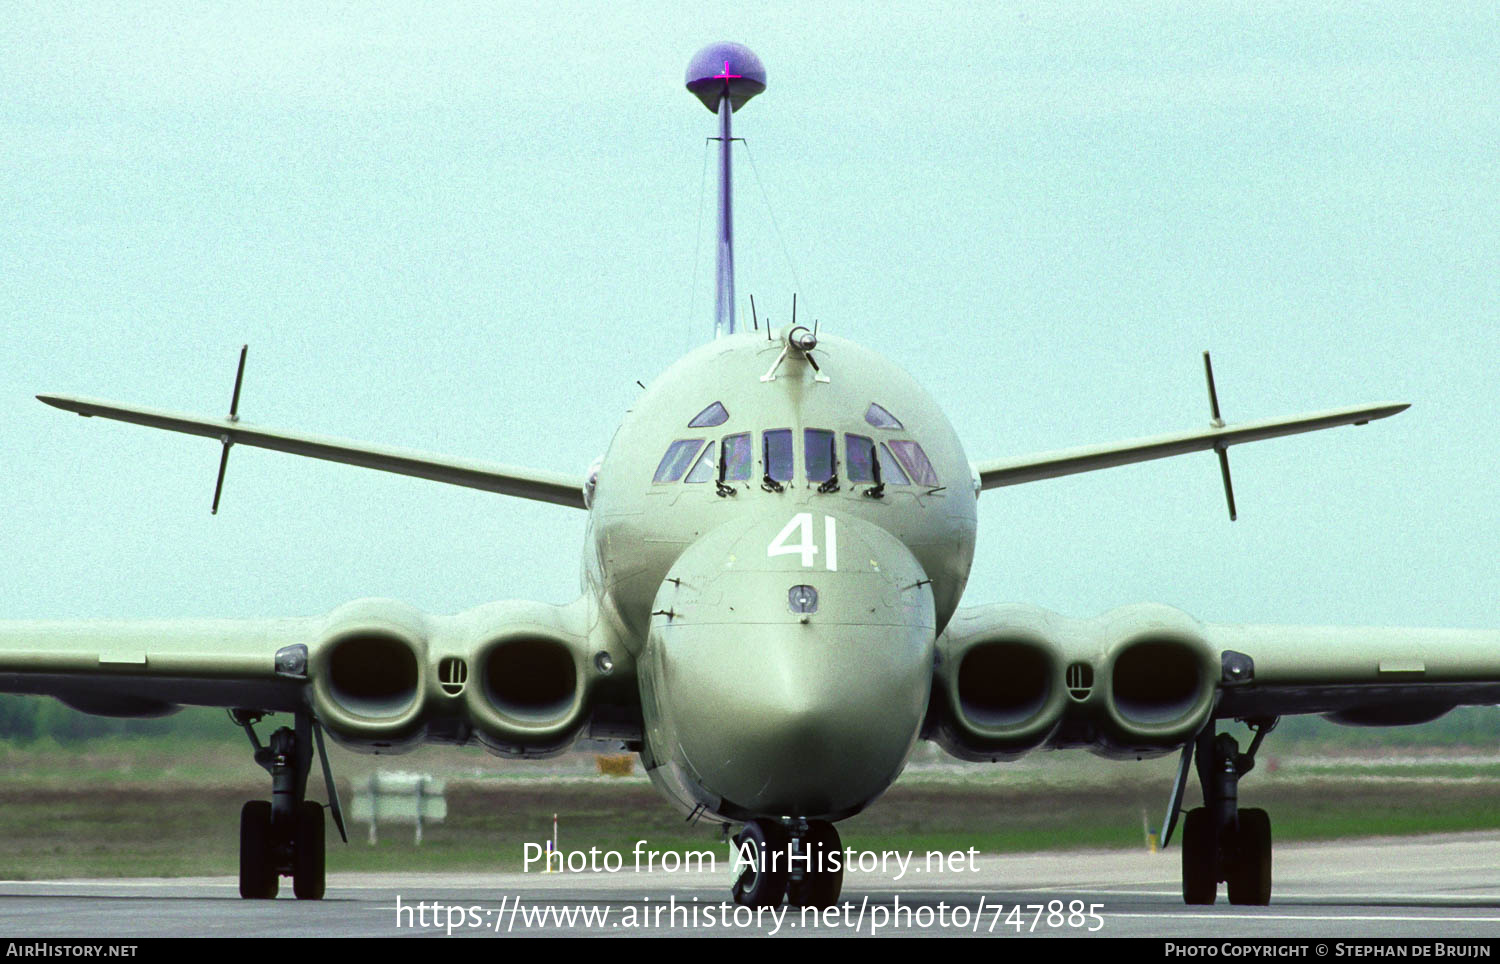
(793, 661)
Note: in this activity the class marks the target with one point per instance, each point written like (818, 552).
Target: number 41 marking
(805, 547)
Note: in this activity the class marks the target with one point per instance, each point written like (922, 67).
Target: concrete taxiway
(1432, 887)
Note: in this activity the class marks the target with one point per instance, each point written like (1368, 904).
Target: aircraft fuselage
(780, 571)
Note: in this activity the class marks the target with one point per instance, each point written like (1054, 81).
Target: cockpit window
(880, 418)
(714, 414)
(860, 456)
(897, 462)
(777, 453)
(706, 466)
(915, 461)
(818, 454)
(679, 456)
(737, 457)
(891, 472)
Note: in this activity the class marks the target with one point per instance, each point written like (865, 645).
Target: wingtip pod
(725, 65)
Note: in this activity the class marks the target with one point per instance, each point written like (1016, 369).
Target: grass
(124, 809)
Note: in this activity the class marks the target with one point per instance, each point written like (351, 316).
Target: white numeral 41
(805, 546)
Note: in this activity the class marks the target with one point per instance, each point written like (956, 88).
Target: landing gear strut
(283, 836)
(799, 860)
(1221, 841)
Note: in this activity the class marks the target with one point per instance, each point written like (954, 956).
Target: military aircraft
(780, 535)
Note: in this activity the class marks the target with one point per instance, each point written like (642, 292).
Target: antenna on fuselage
(724, 76)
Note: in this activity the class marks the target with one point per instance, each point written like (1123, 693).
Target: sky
(470, 228)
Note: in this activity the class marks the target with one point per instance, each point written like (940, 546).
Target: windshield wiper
(831, 484)
(766, 482)
(876, 491)
(719, 484)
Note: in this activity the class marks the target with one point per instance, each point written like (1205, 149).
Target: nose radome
(774, 721)
(778, 711)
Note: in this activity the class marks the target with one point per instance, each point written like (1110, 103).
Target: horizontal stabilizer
(993, 473)
(542, 486)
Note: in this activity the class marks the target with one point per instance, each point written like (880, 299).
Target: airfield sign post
(414, 798)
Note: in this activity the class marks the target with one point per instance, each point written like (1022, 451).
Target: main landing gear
(283, 836)
(1221, 841)
(801, 861)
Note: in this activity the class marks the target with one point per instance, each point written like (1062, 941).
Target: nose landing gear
(801, 861)
(818, 876)
(761, 848)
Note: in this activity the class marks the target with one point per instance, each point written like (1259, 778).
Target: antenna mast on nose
(724, 76)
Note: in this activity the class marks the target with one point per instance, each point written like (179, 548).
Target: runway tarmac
(1432, 887)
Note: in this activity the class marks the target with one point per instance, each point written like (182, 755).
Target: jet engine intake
(1140, 680)
(369, 677)
(373, 673)
(533, 680)
(1157, 681)
(998, 692)
(1160, 681)
(1003, 682)
(530, 678)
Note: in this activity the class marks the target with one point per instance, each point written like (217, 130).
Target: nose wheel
(799, 861)
(762, 848)
(818, 879)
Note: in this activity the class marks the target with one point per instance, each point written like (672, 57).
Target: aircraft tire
(763, 882)
(1250, 877)
(824, 880)
(308, 877)
(1199, 885)
(258, 877)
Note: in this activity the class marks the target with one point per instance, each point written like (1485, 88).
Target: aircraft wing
(1148, 678)
(1145, 680)
(542, 486)
(1362, 675)
(994, 473)
(522, 677)
(149, 668)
